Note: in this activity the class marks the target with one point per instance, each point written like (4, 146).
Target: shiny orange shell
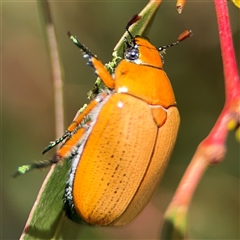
(123, 159)
(120, 153)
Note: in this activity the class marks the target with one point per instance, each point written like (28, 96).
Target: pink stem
(227, 49)
(212, 149)
(232, 84)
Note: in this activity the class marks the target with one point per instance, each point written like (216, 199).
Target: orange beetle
(120, 143)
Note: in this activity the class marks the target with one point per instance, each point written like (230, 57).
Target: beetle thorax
(141, 75)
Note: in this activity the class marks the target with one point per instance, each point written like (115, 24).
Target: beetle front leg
(100, 69)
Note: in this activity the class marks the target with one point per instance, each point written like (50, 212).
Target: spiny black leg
(56, 142)
(86, 52)
(38, 165)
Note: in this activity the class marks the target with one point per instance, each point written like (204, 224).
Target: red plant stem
(212, 149)
(231, 77)
(227, 49)
(189, 182)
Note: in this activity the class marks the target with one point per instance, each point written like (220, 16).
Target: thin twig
(58, 94)
(212, 149)
(56, 70)
(57, 82)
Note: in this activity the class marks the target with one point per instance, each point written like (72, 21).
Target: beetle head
(140, 51)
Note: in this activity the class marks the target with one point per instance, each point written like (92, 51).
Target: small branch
(57, 82)
(56, 70)
(212, 149)
(228, 55)
(231, 110)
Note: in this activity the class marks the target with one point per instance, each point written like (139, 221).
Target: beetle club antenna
(186, 34)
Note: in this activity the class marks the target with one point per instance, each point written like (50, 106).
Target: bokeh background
(194, 68)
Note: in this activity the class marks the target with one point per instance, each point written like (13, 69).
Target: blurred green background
(194, 68)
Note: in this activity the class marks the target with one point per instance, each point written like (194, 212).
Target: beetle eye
(132, 54)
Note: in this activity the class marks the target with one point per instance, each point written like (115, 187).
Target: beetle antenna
(186, 34)
(127, 43)
(134, 19)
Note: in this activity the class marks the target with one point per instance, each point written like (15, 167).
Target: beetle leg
(82, 113)
(62, 153)
(75, 133)
(41, 164)
(100, 69)
(102, 72)
(74, 141)
(56, 142)
(78, 119)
